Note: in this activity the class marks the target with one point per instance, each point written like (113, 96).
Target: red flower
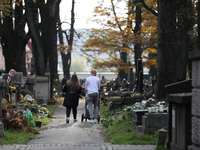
(53, 99)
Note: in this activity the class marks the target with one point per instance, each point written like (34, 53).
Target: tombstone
(162, 135)
(138, 116)
(140, 131)
(42, 89)
(195, 56)
(154, 121)
(32, 65)
(108, 86)
(30, 84)
(131, 79)
(103, 79)
(140, 85)
(139, 68)
(17, 82)
(179, 126)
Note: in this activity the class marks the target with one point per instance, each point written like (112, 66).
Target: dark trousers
(68, 110)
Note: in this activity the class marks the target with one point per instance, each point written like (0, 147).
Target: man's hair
(93, 71)
(12, 71)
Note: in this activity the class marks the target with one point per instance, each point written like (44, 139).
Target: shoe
(95, 120)
(67, 120)
(91, 121)
(75, 120)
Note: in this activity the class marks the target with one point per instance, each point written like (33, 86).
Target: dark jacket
(71, 100)
(7, 77)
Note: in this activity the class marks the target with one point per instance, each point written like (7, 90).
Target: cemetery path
(73, 136)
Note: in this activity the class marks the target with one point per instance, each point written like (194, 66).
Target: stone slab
(162, 135)
(180, 98)
(194, 54)
(196, 130)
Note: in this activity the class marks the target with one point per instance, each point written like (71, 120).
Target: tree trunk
(185, 24)
(167, 52)
(123, 57)
(14, 40)
(137, 46)
(36, 39)
(66, 57)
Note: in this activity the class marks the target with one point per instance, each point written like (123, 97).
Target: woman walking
(72, 89)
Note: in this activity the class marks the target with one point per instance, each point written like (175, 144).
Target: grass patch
(21, 137)
(51, 109)
(43, 119)
(16, 137)
(118, 128)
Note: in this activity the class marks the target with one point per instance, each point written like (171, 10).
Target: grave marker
(162, 135)
(140, 131)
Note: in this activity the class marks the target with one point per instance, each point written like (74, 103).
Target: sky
(83, 10)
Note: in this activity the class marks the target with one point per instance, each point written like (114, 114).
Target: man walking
(92, 85)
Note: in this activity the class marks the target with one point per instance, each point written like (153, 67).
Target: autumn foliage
(117, 36)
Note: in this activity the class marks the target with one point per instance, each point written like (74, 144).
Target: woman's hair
(73, 84)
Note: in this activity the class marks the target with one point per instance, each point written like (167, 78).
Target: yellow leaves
(151, 50)
(118, 34)
(124, 49)
(150, 62)
(64, 49)
(5, 7)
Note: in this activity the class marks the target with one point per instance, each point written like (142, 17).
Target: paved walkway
(72, 136)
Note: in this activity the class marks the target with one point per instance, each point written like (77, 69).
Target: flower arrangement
(143, 94)
(151, 99)
(150, 102)
(44, 111)
(20, 96)
(20, 112)
(27, 99)
(53, 99)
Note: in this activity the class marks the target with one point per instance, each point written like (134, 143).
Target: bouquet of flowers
(20, 112)
(150, 102)
(28, 99)
(44, 111)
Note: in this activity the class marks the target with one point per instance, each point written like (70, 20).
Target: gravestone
(17, 82)
(18, 79)
(138, 116)
(141, 82)
(179, 115)
(131, 79)
(30, 84)
(179, 119)
(140, 131)
(162, 135)
(42, 89)
(32, 65)
(154, 121)
(139, 69)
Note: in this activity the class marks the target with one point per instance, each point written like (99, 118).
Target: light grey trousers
(93, 99)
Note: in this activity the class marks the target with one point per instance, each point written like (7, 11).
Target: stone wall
(152, 122)
(195, 55)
